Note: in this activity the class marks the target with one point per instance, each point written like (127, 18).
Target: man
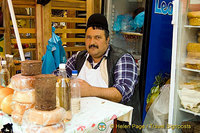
(104, 70)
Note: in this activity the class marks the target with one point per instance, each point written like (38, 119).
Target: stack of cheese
(194, 18)
(189, 94)
(193, 56)
(45, 117)
(23, 84)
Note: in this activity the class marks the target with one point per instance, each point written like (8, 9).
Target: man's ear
(108, 39)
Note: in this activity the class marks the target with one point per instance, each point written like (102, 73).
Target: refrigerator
(184, 90)
(153, 45)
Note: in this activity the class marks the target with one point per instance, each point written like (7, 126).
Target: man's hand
(85, 88)
(107, 93)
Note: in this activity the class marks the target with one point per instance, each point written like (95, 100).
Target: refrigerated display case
(130, 41)
(184, 106)
(153, 46)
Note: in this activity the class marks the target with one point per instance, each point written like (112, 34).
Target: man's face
(96, 43)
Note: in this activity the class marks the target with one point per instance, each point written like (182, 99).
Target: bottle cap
(61, 66)
(3, 62)
(74, 72)
(7, 55)
(11, 56)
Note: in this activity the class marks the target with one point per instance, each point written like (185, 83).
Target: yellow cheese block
(193, 47)
(194, 14)
(195, 55)
(194, 18)
(194, 21)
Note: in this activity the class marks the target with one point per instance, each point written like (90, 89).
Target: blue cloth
(127, 24)
(138, 21)
(55, 54)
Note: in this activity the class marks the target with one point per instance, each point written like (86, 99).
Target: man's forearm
(111, 93)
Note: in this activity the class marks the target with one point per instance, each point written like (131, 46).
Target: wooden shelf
(25, 50)
(2, 28)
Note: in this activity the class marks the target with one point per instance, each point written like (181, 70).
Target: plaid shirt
(125, 73)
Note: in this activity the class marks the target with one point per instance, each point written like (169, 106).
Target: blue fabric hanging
(55, 54)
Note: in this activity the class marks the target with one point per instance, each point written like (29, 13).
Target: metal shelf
(189, 69)
(190, 26)
(188, 111)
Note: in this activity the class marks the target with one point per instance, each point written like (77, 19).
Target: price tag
(194, 1)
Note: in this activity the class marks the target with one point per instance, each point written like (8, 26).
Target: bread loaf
(6, 104)
(5, 92)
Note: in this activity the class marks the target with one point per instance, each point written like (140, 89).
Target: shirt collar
(91, 60)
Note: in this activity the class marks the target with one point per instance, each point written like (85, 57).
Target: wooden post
(47, 30)
(39, 32)
(90, 8)
(97, 6)
(71, 13)
(6, 23)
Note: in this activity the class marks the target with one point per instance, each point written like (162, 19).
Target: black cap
(97, 20)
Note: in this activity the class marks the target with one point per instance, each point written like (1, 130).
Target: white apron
(94, 76)
(98, 78)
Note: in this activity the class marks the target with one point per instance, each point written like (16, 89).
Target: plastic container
(63, 91)
(75, 93)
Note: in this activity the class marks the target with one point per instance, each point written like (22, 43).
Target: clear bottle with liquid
(75, 93)
(4, 74)
(64, 89)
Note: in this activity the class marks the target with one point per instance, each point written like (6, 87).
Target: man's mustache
(93, 45)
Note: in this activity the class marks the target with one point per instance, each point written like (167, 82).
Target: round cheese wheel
(5, 92)
(17, 118)
(20, 108)
(44, 118)
(19, 82)
(57, 128)
(6, 104)
(24, 96)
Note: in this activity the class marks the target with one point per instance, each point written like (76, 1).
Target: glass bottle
(4, 74)
(64, 90)
(75, 93)
(10, 64)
